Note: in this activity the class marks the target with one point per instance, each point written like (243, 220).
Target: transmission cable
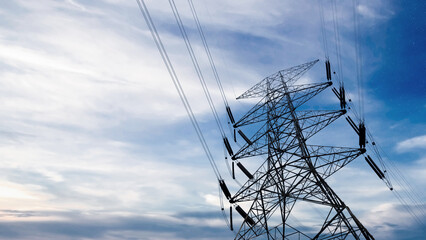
(176, 82)
(207, 49)
(358, 60)
(200, 75)
(323, 30)
(414, 196)
(196, 65)
(392, 171)
(337, 40)
(212, 65)
(203, 83)
(408, 208)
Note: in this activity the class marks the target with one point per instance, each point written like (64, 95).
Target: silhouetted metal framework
(293, 170)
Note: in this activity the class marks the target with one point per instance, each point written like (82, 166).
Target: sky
(96, 144)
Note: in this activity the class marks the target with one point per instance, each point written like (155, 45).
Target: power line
(395, 173)
(323, 30)
(404, 190)
(196, 65)
(176, 82)
(212, 64)
(358, 60)
(207, 49)
(337, 40)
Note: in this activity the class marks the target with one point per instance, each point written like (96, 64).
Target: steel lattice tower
(293, 170)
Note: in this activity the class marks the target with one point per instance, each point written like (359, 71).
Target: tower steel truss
(292, 171)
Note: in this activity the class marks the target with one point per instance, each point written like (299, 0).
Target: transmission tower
(292, 170)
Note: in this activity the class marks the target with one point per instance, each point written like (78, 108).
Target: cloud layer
(95, 143)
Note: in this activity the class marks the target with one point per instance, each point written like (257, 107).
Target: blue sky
(96, 144)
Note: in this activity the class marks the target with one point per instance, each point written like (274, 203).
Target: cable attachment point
(341, 96)
(228, 146)
(362, 139)
(225, 189)
(231, 117)
(327, 70)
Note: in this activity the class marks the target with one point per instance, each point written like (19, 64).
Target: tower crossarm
(328, 160)
(289, 75)
(298, 95)
(311, 122)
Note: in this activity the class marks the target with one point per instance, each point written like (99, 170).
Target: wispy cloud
(95, 143)
(77, 225)
(418, 142)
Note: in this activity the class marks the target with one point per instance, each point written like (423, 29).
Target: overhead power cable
(199, 72)
(207, 49)
(406, 189)
(410, 198)
(176, 82)
(358, 59)
(196, 65)
(215, 74)
(337, 41)
(323, 30)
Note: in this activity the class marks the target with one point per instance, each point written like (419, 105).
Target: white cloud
(212, 199)
(373, 11)
(387, 220)
(366, 11)
(418, 142)
(91, 122)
